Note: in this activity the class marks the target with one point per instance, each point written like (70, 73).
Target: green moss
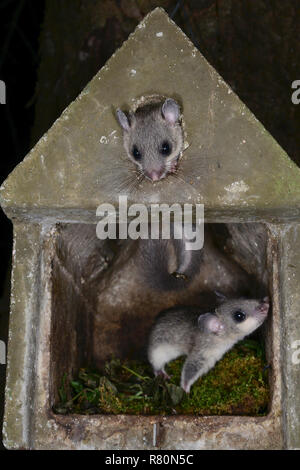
(237, 385)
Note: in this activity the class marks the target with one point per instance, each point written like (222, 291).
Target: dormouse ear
(170, 111)
(123, 120)
(210, 322)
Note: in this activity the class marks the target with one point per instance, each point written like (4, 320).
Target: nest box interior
(102, 308)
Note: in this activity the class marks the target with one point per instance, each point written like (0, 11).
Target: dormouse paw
(162, 373)
(186, 387)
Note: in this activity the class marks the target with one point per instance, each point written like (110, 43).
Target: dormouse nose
(154, 175)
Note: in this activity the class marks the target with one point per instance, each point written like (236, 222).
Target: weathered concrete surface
(23, 327)
(290, 333)
(232, 162)
(136, 433)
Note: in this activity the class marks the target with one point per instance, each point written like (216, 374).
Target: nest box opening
(102, 308)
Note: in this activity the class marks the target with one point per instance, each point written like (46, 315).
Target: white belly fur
(163, 354)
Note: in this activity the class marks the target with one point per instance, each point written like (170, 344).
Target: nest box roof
(232, 163)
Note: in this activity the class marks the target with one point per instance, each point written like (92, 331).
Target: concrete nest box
(69, 307)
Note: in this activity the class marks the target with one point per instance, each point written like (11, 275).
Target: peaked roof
(232, 162)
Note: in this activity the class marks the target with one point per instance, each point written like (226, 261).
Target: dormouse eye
(239, 316)
(166, 148)
(136, 153)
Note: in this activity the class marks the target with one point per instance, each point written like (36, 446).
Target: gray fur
(204, 338)
(147, 129)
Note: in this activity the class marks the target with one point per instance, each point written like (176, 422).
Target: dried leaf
(176, 393)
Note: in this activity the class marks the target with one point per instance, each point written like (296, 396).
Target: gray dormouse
(203, 338)
(153, 137)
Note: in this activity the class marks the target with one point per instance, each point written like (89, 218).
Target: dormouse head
(235, 318)
(153, 137)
